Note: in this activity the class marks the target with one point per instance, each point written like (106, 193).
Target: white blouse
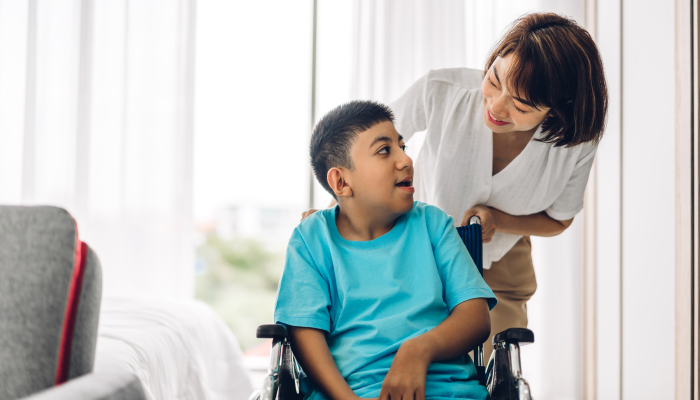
(453, 169)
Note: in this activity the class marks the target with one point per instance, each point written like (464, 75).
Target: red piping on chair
(76, 284)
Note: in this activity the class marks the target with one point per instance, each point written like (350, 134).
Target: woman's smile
(494, 120)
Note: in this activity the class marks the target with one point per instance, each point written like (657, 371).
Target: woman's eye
(491, 82)
(520, 111)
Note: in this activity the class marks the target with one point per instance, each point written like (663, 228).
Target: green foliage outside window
(238, 279)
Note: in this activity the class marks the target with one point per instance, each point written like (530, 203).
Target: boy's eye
(384, 150)
(403, 147)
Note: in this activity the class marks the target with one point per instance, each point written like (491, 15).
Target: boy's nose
(404, 162)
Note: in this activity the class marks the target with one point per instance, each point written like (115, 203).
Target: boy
(380, 295)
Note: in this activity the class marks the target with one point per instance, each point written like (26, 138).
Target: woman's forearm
(539, 224)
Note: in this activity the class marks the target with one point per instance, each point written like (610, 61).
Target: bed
(178, 349)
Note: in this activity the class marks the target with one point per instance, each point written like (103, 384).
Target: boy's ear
(337, 182)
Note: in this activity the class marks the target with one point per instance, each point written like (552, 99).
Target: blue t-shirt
(372, 296)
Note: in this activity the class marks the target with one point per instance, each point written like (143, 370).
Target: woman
(513, 144)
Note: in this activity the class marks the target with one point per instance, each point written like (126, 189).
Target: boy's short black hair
(334, 134)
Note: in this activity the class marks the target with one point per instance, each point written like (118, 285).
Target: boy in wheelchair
(379, 294)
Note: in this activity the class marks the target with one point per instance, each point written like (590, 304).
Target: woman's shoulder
(466, 78)
(454, 91)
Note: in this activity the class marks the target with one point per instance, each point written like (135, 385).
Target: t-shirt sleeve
(570, 201)
(303, 296)
(411, 109)
(461, 280)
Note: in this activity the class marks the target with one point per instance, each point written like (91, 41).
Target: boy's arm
(311, 350)
(468, 325)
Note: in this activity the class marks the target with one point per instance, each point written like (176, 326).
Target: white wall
(553, 365)
(648, 199)
(635, 203)
(608, 211)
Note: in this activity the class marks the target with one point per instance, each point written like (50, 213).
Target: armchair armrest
(96, 386)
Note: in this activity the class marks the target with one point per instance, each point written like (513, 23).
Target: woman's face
(504, 112)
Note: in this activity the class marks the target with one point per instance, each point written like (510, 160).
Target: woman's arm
(412, 110)
(494, 220)
(467, 326)
(311, 350)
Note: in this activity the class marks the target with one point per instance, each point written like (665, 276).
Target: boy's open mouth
(406, 185)
(408, 182)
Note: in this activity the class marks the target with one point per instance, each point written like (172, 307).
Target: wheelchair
(502, 376)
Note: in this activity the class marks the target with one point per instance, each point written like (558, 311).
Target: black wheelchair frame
(502, 376)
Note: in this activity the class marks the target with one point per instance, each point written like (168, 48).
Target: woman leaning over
(512, 144)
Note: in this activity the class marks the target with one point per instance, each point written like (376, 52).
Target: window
(252, 126)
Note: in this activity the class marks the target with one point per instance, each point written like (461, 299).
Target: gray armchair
(50, 292)
(118, 386)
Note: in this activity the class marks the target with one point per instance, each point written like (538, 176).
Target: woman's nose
(498, 106)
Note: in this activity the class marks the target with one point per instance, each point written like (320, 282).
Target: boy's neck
(358, 224)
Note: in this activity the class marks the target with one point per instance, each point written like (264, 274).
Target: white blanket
(179, 349)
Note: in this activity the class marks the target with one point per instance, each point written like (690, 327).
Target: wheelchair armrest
(276, 332)
(282, 380)
(521, 336)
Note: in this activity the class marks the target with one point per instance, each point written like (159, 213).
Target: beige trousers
(512, 280)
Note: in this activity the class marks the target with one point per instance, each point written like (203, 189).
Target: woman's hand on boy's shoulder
(307, 213)
(311, 211)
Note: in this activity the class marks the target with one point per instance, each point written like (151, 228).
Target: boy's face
(382, 179)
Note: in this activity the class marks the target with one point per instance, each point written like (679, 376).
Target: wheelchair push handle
(276, 332)
(521, 336)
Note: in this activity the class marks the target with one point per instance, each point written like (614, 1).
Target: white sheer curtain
(398, 41)
(96, 117)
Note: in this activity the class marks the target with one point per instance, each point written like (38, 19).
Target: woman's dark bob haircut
(556, 64)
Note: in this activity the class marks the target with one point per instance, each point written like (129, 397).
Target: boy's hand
(406, 377)
(467, 326)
